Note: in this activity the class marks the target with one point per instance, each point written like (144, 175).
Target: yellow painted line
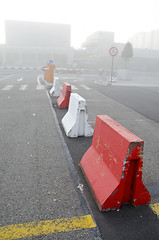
(46, 227)
(155, 208)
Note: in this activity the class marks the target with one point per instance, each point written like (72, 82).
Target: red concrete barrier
(63, 100)
(113, 166)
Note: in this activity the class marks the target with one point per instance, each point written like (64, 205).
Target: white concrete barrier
(55, 90)
(75, 121)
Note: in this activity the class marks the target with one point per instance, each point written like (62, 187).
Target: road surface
(40, 175)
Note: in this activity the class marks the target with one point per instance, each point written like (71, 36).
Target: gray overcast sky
(123, 17)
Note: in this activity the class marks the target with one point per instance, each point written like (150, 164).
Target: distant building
(96, 49)
(146, 40)
(99, 43)
(33, 43)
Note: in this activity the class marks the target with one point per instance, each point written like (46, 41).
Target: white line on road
(85, 87)
(19, 79)
(23, 87)
(79, 80)
(38, 80)
(6, 77)
(73, 87)
(94, 100)
(8, 87)
(40, 87)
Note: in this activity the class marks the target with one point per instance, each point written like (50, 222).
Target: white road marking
(6, 77)
(94, 100)
(23, 87)
(79, 80)
(73, 87)
(40, 87)
(85, 87)
(8, 87)
(38, 79)
(19, 79)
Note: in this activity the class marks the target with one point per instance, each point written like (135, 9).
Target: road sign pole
(111, 78)
(113, 52)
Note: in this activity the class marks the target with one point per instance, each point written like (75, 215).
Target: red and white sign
(113, 51)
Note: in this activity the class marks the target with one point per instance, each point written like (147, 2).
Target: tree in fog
(127, 53)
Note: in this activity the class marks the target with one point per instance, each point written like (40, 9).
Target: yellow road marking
(46, 227)
(155, 208)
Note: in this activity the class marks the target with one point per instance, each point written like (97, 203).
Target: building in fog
(33, 44)
(96, 48)
(146, 40)
(99, 43)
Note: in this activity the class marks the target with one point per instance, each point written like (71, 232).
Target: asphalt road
(128, 222)
(144, 100)
(141, 96)
(134, 107)
(121, 103)
(36, 183)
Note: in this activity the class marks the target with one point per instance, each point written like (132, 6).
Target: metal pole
(112, 69)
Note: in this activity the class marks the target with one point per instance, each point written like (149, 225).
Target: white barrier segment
(55, 90)
(75, 121)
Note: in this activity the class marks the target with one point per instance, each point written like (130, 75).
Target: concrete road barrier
(75, 122)
(55, 90)
(113, 166)
(63, 100)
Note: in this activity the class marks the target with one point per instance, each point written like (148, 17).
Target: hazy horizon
(124, 18)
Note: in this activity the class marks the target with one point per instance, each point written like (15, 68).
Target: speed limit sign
(113, 51)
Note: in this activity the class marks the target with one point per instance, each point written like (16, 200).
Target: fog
(79, 34)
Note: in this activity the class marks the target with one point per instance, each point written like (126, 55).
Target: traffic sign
(113, 51)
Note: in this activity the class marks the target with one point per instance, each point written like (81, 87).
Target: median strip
(18, 231)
